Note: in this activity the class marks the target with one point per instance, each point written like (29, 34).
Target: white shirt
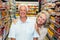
(43, 32)
(23, 31)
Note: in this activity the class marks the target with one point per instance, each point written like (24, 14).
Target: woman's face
(41, 19)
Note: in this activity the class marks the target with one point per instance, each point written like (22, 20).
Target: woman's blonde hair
(43, 12)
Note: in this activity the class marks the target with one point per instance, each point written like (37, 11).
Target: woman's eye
(40, 17)
(43, 19)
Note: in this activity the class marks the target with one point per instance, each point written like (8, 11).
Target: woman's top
(43, 32)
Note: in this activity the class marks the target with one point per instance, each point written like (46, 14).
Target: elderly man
(23, 28)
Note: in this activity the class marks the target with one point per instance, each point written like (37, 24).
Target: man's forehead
(23, 7)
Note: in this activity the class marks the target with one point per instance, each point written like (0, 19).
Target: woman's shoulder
(45, 29)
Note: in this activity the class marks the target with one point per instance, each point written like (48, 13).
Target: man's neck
(23, 19)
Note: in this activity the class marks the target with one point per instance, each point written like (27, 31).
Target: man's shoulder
(32, 19)
(14, 21)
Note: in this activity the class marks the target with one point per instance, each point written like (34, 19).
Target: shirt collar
(27, 20)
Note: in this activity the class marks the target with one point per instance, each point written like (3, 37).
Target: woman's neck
(38, 25)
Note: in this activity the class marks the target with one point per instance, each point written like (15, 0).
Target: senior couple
(23, 28)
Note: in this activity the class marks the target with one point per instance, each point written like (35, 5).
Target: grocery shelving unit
(5, 21)
(54, 27)
(54, 23)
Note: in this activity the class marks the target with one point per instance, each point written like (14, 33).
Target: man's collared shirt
(23, 31)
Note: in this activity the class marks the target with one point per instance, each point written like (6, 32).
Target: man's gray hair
(21, 6)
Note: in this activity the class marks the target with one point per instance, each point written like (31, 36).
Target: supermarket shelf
(57, 25)
(54, 30)
(5, 35)
(2, 9)
(55, 14)
(3, 17)
(49, 37)
(5, 22)
(33, 7)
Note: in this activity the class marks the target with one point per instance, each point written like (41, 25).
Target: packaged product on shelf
(0, 4)
(0, 22)
(52, 25)
(52, 18)
(50, 33)
(48, 6)
(0, 14)
(1, 32)
(4, 13)
(57, 33)
(57, 19)
(57, 6)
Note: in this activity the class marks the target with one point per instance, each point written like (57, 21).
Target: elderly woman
(40, 24)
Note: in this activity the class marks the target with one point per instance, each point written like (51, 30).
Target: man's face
(41, 19)
(23, 11)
